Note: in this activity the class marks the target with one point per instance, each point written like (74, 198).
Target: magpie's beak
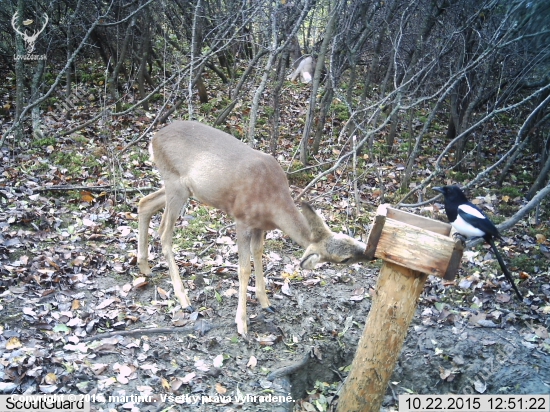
(438, 189)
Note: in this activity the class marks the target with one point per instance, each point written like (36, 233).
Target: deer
(305, 69)
(217, 169)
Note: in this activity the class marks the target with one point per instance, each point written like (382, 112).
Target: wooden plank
(454, 262)
(376, 231)
(420, 221)
(415, 248)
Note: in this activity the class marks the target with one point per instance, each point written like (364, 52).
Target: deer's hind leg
(148, 206)
(244, 238)
(176, 197)
(257, 249)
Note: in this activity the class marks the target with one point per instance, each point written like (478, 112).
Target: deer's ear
(319, 229)
(309, 261)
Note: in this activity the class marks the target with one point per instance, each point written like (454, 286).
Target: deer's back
(221, 171)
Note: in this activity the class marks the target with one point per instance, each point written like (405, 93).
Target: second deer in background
(305, 69)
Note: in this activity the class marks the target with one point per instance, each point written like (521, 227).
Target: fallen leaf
(541, 332)
(486, 323)
(220, 388)
(104, 304)
(60, 327)
(267, 340)
(230, 292)
(140, 282)
(201, 365)
(524, 275)
(503, 297)
(540, 238)
(125, 230)
(99, 368)
(50, 378)
(125, 370)
(47, 388)
(179, 318)
(444, 373)
(86, 196)
(225, 240)
(13, 343)
(29, 311)
(122, 379)
(480, 387)
(286, 288)
(78, 261)
(308, 407)
(188, 378)
(81, 347)
(163, 294)
(218, 361)
(88, 222)
(150, 367)
(252, 362)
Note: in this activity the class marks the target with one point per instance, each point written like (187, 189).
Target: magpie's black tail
(504, 268)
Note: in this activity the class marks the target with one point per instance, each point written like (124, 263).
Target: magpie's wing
(475, 217)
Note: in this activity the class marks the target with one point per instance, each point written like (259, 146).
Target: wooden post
(412, 247)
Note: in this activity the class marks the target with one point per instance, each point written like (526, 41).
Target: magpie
(469, 221)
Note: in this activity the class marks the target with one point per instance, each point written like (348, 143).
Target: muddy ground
(462, 339)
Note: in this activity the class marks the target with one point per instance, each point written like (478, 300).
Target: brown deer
(217, 169)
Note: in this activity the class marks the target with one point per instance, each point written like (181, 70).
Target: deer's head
(327, 246)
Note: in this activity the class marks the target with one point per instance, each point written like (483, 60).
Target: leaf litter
(67, 273)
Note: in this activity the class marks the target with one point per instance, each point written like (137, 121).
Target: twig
(98, 189)
(143, 331)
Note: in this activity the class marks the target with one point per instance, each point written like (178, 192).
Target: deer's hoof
(270, 309)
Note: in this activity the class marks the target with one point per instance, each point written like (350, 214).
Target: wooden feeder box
(412, 247)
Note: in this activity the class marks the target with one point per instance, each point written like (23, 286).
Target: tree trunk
(275, 116)
(19, 71)
(35, 94)
(326, 101)
(235, 94)
(144, 56)
(382, 340)
(113, 79)
(315, 86)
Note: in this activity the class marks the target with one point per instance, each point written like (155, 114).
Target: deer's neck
(295, 225)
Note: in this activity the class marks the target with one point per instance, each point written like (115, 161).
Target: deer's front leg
(243, 247)
(147, 207)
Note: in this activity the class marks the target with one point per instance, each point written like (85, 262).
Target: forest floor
(68, 274)
(69, 288)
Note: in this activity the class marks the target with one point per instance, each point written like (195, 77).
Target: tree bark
(19, 71)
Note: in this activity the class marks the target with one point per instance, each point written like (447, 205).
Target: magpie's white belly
(466, 229)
